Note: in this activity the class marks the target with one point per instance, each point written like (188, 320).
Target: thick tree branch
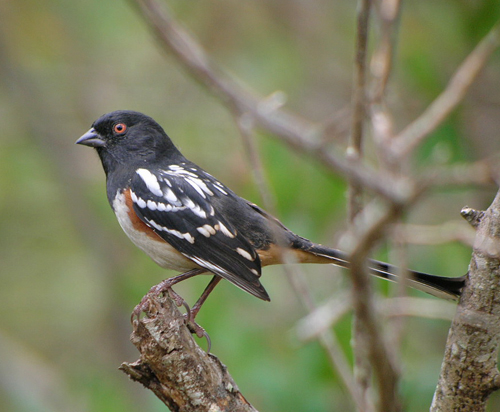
(469, 371)
(175, 368)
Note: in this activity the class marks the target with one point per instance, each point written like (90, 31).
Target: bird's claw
(165, 287)
(196, 329)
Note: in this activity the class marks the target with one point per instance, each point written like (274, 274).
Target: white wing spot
(151, 181)
(203, 231)
(244, 253)
(206, 230)
(225, 230)
(152, 205)
(210, 229)
(171, 197)
(218, 185)
(186, 236)
(137, 200)
(198, 211)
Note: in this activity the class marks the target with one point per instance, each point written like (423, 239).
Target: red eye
(120, 128)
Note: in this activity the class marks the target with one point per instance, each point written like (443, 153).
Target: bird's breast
(145, 238)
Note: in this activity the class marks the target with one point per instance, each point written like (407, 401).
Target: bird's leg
(166, 286)
(197, 306)
(191, 314)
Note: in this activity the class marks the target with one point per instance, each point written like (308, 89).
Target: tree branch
(469, 371)
(452, 95)
(175, 368)
(297, 132)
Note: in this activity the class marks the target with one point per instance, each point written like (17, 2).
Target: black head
(126, 137)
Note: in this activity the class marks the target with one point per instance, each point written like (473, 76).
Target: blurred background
(70, 278)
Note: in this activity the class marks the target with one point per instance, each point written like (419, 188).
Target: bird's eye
(120, 128)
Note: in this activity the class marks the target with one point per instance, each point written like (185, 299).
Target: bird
(188, 221)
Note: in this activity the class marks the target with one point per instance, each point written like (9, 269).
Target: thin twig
(484, 172)
(381, 65)
(453, 231)
(355, 148)
(452, 95)
(328, 314)
(362, 368)
(381, 69)
(381, 359)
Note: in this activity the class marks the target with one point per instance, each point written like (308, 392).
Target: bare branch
(452, 95)
(298, 133)
(381, 68)
(375, 345)
(362, 369)
(483, 172)
(354, 150)
(327, 315)
(452, 231)
(175, 368)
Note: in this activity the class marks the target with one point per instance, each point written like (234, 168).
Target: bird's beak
(92, 139)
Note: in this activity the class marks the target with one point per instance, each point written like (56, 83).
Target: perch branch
(175, 368)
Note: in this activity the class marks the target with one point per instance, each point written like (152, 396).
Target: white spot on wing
(210, 229)
(152, 205)
(198, 211)
(206, 230)
(244, 253)
(137, 200)
(225, 230)
(218, 185)
(151, 181)
(186, 236)
(203, 231)
(171, 197)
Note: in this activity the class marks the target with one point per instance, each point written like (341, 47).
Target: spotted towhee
(188, 221)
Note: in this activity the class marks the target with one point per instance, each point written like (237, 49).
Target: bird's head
(126, 137)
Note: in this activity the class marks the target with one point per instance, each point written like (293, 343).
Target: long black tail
(439, 286)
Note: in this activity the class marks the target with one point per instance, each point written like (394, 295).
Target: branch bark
(469, 373)
(181, 374)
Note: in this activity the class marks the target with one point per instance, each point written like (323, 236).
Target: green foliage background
(69, 278)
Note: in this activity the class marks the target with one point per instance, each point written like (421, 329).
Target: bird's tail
(439, 286)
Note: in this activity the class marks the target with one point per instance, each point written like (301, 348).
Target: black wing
(176, 203)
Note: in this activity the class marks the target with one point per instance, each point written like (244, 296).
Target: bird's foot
(164, 286)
